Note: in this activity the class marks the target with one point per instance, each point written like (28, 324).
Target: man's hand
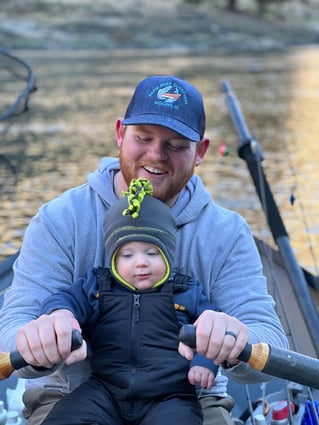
(46, 341)
(219, 337)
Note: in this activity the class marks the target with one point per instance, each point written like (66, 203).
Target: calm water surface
(80, 95)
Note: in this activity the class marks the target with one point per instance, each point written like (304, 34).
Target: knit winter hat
(140, 217)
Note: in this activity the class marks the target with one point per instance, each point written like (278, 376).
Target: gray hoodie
(66, 238)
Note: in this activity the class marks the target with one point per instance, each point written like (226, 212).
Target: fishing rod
(273, 361)
(9, 362)
(249, 150)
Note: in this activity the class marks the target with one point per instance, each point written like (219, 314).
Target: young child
(131, 314)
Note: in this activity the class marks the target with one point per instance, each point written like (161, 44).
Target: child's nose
(141, 260)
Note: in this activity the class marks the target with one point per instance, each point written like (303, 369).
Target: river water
(80, 94)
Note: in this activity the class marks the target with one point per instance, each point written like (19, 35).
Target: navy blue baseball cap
(170, 102)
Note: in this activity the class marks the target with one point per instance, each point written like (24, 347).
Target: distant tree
(262, 5)
(232, 4)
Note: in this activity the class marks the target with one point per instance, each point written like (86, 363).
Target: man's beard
(168, 191)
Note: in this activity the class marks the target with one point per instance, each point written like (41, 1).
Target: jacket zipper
(133, 341)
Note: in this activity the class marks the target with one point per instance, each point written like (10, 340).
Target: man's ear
(119, 131)
(201, 150)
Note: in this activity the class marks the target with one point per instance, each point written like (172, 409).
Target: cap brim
(164, 121)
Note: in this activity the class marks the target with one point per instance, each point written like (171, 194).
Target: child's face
(141, 264)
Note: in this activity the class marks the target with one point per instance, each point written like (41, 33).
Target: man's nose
(157, 150)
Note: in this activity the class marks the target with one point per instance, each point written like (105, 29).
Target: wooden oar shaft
(274, 361)
(9, 362)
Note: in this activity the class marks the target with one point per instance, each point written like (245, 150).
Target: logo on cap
(167, 94)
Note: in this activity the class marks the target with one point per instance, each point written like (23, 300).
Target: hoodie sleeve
(53, 256)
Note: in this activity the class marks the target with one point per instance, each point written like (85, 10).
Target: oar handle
(274, 361)
(18, 362)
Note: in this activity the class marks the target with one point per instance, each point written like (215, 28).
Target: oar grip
(18, 362)
(187, 335)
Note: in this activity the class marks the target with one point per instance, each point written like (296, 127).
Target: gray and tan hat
(138, 216)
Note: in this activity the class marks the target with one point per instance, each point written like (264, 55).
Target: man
(137, 298)
(161, 138)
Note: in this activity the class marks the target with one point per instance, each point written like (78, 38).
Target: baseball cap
(170, 102)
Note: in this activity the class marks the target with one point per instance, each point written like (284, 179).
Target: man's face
(160, 155)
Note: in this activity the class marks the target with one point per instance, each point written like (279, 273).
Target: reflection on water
(80, 94)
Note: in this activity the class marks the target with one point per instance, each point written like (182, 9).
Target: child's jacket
(134, 334)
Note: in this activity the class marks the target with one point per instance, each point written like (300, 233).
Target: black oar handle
(18, 362)
(273, 361)
(187, 335)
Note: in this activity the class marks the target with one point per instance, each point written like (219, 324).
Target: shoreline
(179, 26)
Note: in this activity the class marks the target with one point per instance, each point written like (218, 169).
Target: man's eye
(142, 140)
(176, 148)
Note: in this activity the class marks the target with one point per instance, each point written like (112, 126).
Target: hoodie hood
(101, 180)
(191, 201)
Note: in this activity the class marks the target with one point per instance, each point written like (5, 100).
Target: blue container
(310, 416)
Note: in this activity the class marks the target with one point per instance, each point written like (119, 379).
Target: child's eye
(153, 253)
(126, 254)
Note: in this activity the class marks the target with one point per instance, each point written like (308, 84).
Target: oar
(274, 361)
(10, 362)
(250, 151)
